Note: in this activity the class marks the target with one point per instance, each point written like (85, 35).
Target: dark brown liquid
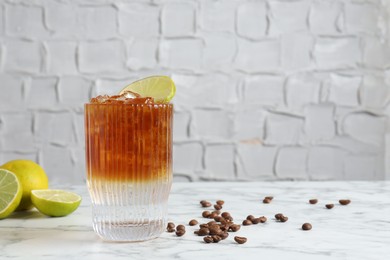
(128, 142)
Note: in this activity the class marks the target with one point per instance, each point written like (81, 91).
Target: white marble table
(360, 230)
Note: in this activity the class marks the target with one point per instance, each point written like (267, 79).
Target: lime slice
(55, 203)
(160, 88)
(10, 193)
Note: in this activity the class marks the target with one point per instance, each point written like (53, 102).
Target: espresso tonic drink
(129, 165)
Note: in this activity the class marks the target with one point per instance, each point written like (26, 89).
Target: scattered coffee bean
(283, 219)
(216, 212)
(206, 214)
(266, 201)
(247, 222)
(220, 202)
(240, 240)
(255, 221)
(223, 235)
(205, 204)
(250, 217)
(269, 197)
(262, 219)
(218, 207)
(225, 214)
(170, 225)
(306, 226)
(313, 201)
(329, 206)
(180, 232)
(214, 229)
(208, 239)
(171, 230)
(204, 225)
(180, 227)
(278, 216)
(203, 232)
(216, 238)
(234, 227)
(219, 218)
(344, 202)
(193, 222)
(213, 215)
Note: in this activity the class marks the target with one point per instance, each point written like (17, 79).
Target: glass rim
(129, 104)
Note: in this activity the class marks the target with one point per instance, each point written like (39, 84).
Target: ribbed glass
(129, 168)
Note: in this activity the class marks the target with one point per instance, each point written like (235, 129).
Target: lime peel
(55, 203)
(10, 193)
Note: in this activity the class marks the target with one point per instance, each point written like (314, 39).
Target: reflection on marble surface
(360, 230)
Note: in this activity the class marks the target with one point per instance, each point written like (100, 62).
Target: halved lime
(10, 193)
(160, 88)
(55, 203)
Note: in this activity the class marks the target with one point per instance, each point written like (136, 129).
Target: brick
(211, 90)
(219, 162)
(16, 132)
(344, 89)
(288, 16)
(360, 17)
(361, 167)
(188, 157)
(174, 54)
(283, 129)
(255, 161)
(219, 51)
(98, 22)
(375, 53)
(249, 124)
(57, 162)
(181, 126)
(78, 160)
(99, 57)
(296, 51)
(264, 90)
(23, 142)
(2, 13)
(365, 128)
(25, 21)
(319, 122)
(178, 19)
(42, 93)
(9, 156)
(352, 145)
(262, 56)
(11, 89)
(374, 92)
(291, 163)
(111, 86)
(138, 20)
(61, 57)
(324, 17)
(182, 178)
(337, 53)
(62, 19)
(326, 163)
(252, 20)
(54, 128)
(23, 56)
(79, 130)
(211, 124)
(74, 91)
(142, 54)
(302, 89)
(218, 15)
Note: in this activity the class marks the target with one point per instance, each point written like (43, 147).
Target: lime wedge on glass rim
(10, 193)
(160, 88)
(55, 203)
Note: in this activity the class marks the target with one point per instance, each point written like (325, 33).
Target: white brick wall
(266, 89)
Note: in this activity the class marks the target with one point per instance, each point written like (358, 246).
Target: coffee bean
(250, 217)
(240, 240)
(180, 227)
(216, 212)
(234, 228)
(213, 215)
(203, 232)
(180, 233)
(266, 201)
(196, 232)
(223, 235)
(210, 223)
(217, 207)
(278, 216)
(220, 202)
(214, 229)
(344, 202)
(171, 230)
(225, 214)
(193, 222)
(219, 219)
(247, 222)
(329, 206)
(262, 219)
(206, 214)
(216, 238)
(204, 225)
(206, 204)
(208, 239)
(170, 225)
(255, 221)
(283, 219)
(313, 201)
(269, 197)
(306, 226)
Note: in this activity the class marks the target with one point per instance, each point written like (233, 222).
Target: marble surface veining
(360, 230)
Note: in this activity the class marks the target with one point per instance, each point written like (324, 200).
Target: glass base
(129, 231)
